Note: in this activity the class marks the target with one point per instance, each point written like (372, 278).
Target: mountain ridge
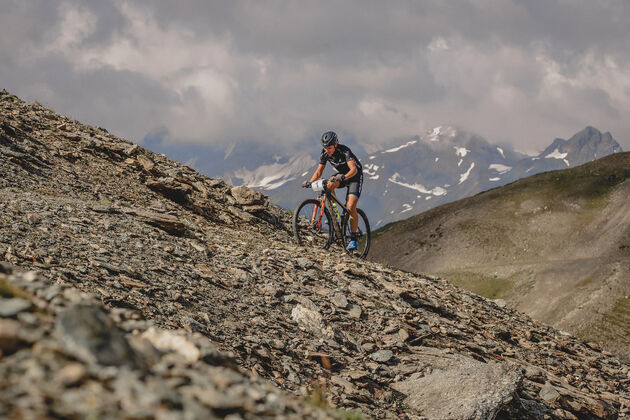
(444, 165)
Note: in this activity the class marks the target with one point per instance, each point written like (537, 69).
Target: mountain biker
(349, 174)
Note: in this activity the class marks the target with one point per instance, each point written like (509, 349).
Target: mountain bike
(314, 225)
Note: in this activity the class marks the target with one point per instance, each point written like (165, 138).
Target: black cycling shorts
(354, 184)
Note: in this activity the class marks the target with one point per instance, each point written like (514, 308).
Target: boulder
(246, 196)
(459, 387)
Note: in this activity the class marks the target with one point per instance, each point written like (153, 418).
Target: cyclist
(349, 174)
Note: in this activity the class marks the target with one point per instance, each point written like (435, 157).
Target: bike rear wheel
(364, 234)
(309, 228)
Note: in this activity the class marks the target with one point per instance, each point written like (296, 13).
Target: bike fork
(319, 216)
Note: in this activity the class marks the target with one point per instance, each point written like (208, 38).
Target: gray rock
(11, 307)
(308, 319)
(339, 300)
(382, 356)
(460, 387)
(548, 393)
(70, 375)
(304, 263)
(89, 333)
(191, 325)
(11, 336)
(355, 311)
(246, 196)
(501, 303)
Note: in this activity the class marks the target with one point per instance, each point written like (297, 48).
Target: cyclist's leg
(352, 199)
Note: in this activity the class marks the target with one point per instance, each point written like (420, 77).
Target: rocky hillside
(135, 287)
(556, 246)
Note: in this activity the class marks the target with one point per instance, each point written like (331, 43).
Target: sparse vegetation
(316, 396)
(491, 287)
(613, 325)
(9, 291)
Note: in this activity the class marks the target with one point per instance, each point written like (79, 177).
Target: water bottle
(334, 206)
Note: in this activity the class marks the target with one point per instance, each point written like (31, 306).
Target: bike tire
(365, 235)
(304, 233)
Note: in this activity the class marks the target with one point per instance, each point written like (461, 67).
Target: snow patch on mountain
(501, 151)
(500, 168)
(556, 155)
(461, 151)
(395, 149)
(229, 151)
(463, 177)
(370, 170)
(441, 131)
(273, 176)
(437, 191)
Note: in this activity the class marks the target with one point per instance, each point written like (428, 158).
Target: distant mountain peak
(583, 146)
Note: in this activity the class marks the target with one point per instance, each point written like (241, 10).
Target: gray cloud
(276, 72)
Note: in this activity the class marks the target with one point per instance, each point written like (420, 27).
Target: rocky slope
(160, 293)
(556, 246)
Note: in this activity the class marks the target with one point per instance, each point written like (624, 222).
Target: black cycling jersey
(340, 159)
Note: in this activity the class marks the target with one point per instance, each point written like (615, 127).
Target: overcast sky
(280, 72)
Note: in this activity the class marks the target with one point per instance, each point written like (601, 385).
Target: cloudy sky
(281, 72)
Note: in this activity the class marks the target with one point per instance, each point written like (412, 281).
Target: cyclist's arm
(318, 172)
(353, 169)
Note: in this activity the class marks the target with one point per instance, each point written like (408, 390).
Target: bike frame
(328, 196)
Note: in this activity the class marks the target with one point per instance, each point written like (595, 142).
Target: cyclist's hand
(306, 184)
(338, 178)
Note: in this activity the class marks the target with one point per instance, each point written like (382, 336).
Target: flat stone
(170, 189)
(548, 393)
(304, 262)
(339, 300)
(168, 341)
(10, 336)
(166, 222)
(368, 347)
(11, 307)
(403, 335)
(70, 375)
(355, 311)
(382, 356)
(308, 319)
(147, 164)
(501, 303)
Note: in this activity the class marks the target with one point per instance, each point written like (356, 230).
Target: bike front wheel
(363, 233)
(311, 227)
